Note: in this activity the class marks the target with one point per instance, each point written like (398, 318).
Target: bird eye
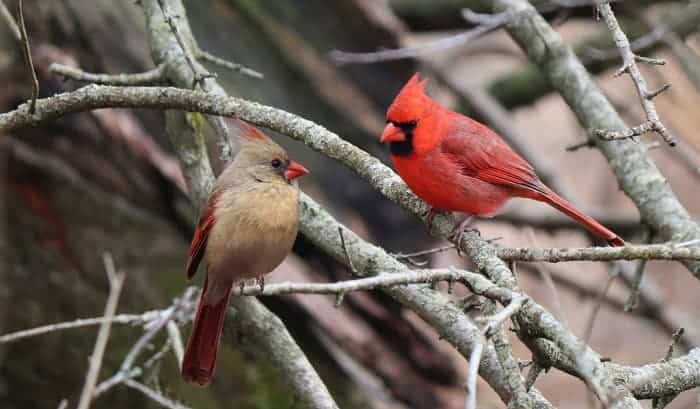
(276, 163)
(412, 123)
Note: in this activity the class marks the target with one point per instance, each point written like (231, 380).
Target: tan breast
(254, 231)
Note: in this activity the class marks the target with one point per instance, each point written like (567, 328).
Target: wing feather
(482, 154)
(201, 234)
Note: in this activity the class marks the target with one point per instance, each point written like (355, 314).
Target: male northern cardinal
(245, 230)
(457, 164)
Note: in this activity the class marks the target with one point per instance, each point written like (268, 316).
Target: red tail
(200, 354)
(591, 225)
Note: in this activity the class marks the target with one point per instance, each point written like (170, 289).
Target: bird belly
(254, 236)
(444, 187)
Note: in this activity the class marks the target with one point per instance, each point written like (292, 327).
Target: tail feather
(200, 354)
(588, 222)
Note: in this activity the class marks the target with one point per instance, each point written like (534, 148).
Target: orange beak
(294, 170)
(392, 134)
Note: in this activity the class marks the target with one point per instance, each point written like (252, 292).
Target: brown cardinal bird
(457, 164)
(245, 230)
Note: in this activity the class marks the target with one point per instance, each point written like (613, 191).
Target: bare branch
(199, 73)
(11, 23)
(644, 252)
(27, 55)
(81, 322)
(386, 280)
(473, 375)
(176, 341)
(629, 65)
(205, 56)
(497, 320)
(150, 77)
(116, 281)
(636, 286)
(599, 303)
(153, 395)
(488, 25)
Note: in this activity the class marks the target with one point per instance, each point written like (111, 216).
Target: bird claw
(429, 216)
(458, 232)
(261, 282)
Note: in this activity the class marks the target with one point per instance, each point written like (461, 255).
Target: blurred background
(108, 181)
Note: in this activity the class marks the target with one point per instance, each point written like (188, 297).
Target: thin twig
(153, 395)
(199, 73)
(345, 250)
(636, 286)
(495, 321)
(176, 341)
(599, 303)
(28, 56)
(662, 401)
(116, 281)
(11, 23)
(150, 77)
(666, 251)
(475, 282)
(472, 375)
(127, 370)
(629, 66)
(674, 341)
(81, 322)
(494, 22)
(401, 256)
(235, 67)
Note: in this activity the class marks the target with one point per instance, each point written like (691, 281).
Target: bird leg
(463, 227)
(429, 215)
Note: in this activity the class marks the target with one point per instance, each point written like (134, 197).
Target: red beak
(294, 170)
(392, 134)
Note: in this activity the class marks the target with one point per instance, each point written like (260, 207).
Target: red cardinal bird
(246, 229)
(457, 164)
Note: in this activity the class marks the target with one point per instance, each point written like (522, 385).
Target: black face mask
(403, 148)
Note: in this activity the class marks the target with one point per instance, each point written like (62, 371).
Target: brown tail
(591, 225)
(200, 354)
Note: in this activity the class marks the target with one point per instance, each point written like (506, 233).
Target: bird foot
(457, 233)
(430, 215)
(261, 282)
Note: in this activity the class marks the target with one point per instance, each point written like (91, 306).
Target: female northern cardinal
(245, 230)
(457, 164)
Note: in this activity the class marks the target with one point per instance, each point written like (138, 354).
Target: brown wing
(201, 234)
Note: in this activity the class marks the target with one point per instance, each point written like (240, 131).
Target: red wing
(201, 234)
(482, 154)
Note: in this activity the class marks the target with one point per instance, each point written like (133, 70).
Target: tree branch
(116, 281)
(556, 255)
(629, 65)
(150, 77)
(26, 49)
